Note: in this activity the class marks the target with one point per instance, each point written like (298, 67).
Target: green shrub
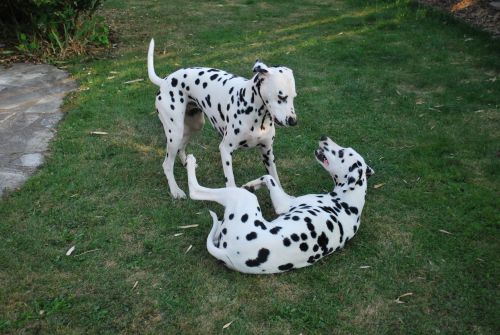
(53, 28)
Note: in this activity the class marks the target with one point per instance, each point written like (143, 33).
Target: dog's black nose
(323, 138)
(291, 121)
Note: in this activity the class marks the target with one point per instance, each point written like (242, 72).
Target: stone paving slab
(30, 97)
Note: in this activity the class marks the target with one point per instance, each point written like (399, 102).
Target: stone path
(30, 97)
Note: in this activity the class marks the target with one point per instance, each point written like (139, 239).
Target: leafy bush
(53, 28)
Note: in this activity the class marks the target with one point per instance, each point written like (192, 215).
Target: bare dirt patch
(482, 14)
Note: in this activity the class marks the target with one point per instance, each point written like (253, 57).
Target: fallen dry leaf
(189, 226)
(70, 251)
(134, 81)
(378, 185)
(445, 232)
(178, 234)
(135, 284)
(227, 325)
(398, 300)
(364, 267)
(98, 133)
(189, 248)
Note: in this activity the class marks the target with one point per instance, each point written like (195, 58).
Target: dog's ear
(260, 67)
(369, 172)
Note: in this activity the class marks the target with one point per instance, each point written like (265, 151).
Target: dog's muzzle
(291, 121)
(320, 156)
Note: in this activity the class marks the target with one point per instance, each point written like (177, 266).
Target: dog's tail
(151, 69)
(212, 249)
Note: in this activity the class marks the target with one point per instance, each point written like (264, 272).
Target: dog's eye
(282, 98)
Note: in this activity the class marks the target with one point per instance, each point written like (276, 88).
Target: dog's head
(276, 87)
(345, 165)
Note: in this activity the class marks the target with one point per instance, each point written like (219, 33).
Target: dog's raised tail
(151, 69)
(212, 249)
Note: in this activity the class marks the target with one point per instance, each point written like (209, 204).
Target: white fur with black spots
(309, 227)
(243, 111)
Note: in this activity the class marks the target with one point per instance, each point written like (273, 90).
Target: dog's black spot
(272, 182)
(295, 237)
(275, 230)
(262, 257)
(285, 267)
(312, 212)
(315, 248)
(310, 226)
(174, 82)
(341, 229)
(207, 98)
(224, 231)
(355, 228)
(197, 81)
(295, 218)
(251, 236)
(244, 218)
(236, 131)
(304, 247)
(214, 76)
(224, 245)
(323, 242)
(260, 224)
(231, 216)
(172, 108)
(185, 75)
(227, 163)
(303, 236)
(159, 97)
(286, 242)
(329, 224)
(205, 85)
(201, 73)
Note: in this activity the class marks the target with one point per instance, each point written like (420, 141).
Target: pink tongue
(325, 161)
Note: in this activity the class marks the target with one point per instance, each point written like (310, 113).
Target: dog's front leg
(227, 162)
(281, 200)
(266, 151)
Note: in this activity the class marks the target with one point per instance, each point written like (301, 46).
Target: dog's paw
(178, 194)
(191, 161)
(249, 188)
(253, 185)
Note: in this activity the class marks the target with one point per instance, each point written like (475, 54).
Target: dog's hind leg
(174, 132)
(227, 196)
(281, 200)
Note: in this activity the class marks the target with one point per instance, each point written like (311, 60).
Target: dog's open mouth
(320, 156)
(277, 122)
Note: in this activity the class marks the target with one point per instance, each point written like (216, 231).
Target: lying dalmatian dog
(242, 111)
(309, 227)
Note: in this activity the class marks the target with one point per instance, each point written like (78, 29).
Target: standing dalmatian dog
(242, 111)
(308, 228)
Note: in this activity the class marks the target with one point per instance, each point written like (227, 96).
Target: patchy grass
(413, 91)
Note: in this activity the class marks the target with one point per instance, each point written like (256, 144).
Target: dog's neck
(353, 192)
(250, 96)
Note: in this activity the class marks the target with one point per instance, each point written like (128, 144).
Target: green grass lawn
(415, 93)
